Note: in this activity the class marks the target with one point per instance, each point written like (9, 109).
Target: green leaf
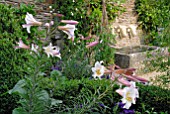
(43, 95)
(55, 102)
(19, 111)
(18, 87)
(55, 73)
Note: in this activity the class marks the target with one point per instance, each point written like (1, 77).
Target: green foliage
(85, 92)
(12, 62)
(152, 15)
(161, 63)
(79, 60)
(153, 97)
(85, 95)
(33, 99)
(87, 12)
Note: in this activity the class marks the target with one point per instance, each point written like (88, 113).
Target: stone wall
(41, 8)
(126, 27)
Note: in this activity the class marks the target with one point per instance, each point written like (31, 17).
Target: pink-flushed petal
(112, 78)
(141, 79)
(72, 22)
(123, 81)
(86, 38)
(69, 30)
(58, 15)
(116, 66)
(31, 20)
(120, 91)
(66, 27)
(131, 78)
(107, 71)
(92, 44)
(72, 39)
(51, 23)
(47, 25)
(47, 14)
(131, 69)
(21, 45)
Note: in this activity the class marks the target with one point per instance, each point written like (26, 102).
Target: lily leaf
(43, 95)
(55, 102)
(19, 111)
(18, 87)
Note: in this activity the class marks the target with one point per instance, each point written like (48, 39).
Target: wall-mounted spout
(133, 30)
(123, 30)
(128, 30)
(116, 30)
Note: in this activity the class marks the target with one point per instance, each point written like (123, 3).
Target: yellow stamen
(98, 72)
(128, 98)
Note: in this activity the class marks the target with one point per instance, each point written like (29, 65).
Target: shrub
(87, 12)
(84, 91)
(152, 15)
(12, 62)
(154, 97)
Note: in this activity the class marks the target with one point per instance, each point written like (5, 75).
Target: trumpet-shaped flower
(129, 95)
(69, 30)
(49, 50)
(71, 22)
(52, 50)
(30, 21)
(34, 48)
(56, 52)
(92, 44)
(21, 45)
(98, 70)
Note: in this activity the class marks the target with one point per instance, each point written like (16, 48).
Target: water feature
(132, 56)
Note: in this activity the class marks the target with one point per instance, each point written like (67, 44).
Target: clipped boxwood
(150, 96)
(154, 97)
(12, 61)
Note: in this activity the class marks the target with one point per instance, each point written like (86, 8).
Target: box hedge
(12, 61)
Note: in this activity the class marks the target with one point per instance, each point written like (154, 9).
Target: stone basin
(132, 56)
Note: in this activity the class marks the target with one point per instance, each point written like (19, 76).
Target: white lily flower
(129, 95)
(30, 21)
(56, 52)
(34, 48)
(52, 50)
(49, 50)
(98, 70)
(21, 45)
(69, 30)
